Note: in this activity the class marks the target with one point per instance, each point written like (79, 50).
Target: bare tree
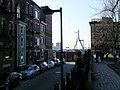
(110, 9)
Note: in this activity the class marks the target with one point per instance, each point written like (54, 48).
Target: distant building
(56, 47)
(68, 55)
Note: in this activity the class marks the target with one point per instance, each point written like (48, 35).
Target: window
(48, 40)
(24, 28)
(42, 27)
(27, 8)
(9, 6)
(31, 10)
(37, 14)
(31, 25)
(21, 44)
(10, 26)
(42, 52)
(8, 54)
(21, 30)
(27, 21)
(18, 11)
(2, 24)
(21, 58)
(21, 41)
(38, 41)
(38, 55)
(42, 40)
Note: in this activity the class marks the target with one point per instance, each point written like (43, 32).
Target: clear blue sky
(76, 16)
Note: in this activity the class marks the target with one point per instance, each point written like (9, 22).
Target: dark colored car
(56, 61)
(13, 80)
(43, 66)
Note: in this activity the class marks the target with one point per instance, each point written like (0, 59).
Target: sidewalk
(105, 78)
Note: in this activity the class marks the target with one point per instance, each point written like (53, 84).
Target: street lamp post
(49, 11)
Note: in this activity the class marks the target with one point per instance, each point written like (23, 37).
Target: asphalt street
(46, 80)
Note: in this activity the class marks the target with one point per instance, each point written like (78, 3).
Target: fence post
(68, 81)
(56, 86)
(64, 84)
(73, 79)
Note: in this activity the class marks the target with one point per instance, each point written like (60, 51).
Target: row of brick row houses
(105, 35)
(25, 34)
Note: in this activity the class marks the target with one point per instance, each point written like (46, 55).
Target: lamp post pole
(61, 52)
(47, 10)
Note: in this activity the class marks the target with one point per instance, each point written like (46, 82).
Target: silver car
(31, 71)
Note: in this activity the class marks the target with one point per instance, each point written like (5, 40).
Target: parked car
(43, 66)
(13, 80)
(51, 64)
(32, 71)
(56, 61)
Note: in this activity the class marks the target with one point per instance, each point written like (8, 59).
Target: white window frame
(36, 14)
(18, 11)
(38, 41)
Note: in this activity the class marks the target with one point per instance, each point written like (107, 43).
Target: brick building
(25, 34)
(100, 34)
(7, 35)
(48, 36)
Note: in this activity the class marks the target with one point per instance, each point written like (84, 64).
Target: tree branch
(115, 5)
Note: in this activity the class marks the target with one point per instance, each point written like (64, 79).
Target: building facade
(25, 34)
(20, 42)
(7, 36)
(40, 27)
(29, 19)
(101, 36)
(48, 36)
